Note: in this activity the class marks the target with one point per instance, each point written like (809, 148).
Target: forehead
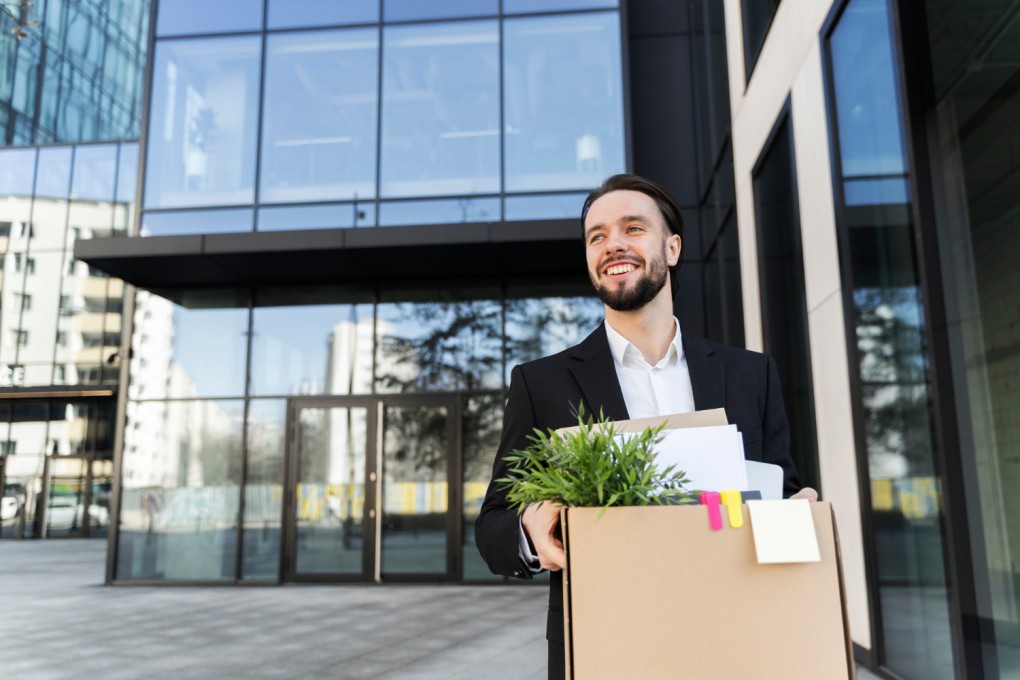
(617, 205)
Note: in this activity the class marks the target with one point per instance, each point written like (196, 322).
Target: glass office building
(267, 265)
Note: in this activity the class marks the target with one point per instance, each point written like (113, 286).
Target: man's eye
(635, 227)
(595, 238)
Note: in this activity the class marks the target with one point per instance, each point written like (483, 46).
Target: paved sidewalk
(58, 621)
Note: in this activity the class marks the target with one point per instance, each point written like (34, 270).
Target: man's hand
(807, 492)
(541, 521)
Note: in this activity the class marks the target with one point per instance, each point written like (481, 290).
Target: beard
(631, 298)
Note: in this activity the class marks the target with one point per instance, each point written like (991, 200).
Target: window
(757, 19)
(61, 338)
(59, 373)
(65, 305)
(19, 337)
(783, 300)
(563, 101)
(440, 109)
(204, 121)
(8, 448)
(23, 300)
(30, 265)
(320, 113)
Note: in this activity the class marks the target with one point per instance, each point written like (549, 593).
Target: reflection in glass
(48, 229)
(95, 169)
(39, 316)
(430, 346)
(440, 111)
(263, 492)
(313, 349)
(410, 10)
(521, 6)
(180, 490)
(180, 17)
(415, 490)
(548, 206)
(196, 349)
(538, 327)
(53, 175)
(448, 211)
(563, 101)
(302, 13)
(68, 507)
(127, 185)
(891, 352)
(974, 106)
(332, 216)
(330, 521)
(867, 99)
(17, 171)
(196, 222)
(481, 426)
(319, 124)
(201, 148)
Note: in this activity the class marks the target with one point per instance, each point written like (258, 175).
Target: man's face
(629, 249)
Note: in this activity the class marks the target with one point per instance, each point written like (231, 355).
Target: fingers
(807, 493)
(541, 520)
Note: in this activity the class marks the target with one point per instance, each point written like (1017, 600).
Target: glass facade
(716, 211)
(418, 373)
(891, 366)
(60, 328)
(975, 175)
(783, 297)
(345, 119)
(78, 76)
(756, 17)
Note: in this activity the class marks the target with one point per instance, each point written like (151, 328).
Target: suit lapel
(595, 372)
(708, 374)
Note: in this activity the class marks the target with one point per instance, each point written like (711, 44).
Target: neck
(650, 329)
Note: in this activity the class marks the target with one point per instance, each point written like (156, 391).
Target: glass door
(419, 533)
(71, 509)
(331, 523)
(371, 482)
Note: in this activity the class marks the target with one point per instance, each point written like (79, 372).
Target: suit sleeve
(776, 432)
(497, 527)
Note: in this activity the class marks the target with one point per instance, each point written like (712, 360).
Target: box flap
(707, 418)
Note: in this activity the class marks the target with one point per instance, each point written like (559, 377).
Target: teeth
(620, 269)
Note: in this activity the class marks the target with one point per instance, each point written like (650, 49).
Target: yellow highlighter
(732, 500)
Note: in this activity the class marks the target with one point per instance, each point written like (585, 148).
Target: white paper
(712, 457)
(784, 531)
(765, 477)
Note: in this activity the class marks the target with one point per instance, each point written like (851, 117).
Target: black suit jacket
(545, 394)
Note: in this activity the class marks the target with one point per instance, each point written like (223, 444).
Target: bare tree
(21, 13)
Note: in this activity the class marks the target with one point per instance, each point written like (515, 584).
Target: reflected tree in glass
(437, 346)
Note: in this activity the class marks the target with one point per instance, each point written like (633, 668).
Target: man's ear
(673, 248)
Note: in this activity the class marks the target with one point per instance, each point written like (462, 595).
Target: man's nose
(616, 242)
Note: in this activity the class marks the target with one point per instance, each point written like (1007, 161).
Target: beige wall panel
(814, 183)
(790, 66)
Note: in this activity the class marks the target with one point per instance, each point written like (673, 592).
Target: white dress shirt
(659, 390)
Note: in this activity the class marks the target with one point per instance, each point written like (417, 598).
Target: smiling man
(637, 364)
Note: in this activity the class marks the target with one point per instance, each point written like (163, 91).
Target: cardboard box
(653, 592)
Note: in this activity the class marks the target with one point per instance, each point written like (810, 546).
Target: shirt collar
(623, 350)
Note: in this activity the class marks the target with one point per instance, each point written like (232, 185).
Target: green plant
(593, 467)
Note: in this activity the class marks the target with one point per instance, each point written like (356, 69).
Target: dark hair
(667, 206)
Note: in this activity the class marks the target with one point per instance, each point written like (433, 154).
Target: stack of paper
(710, 452)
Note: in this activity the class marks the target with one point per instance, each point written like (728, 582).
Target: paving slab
(57, 621)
